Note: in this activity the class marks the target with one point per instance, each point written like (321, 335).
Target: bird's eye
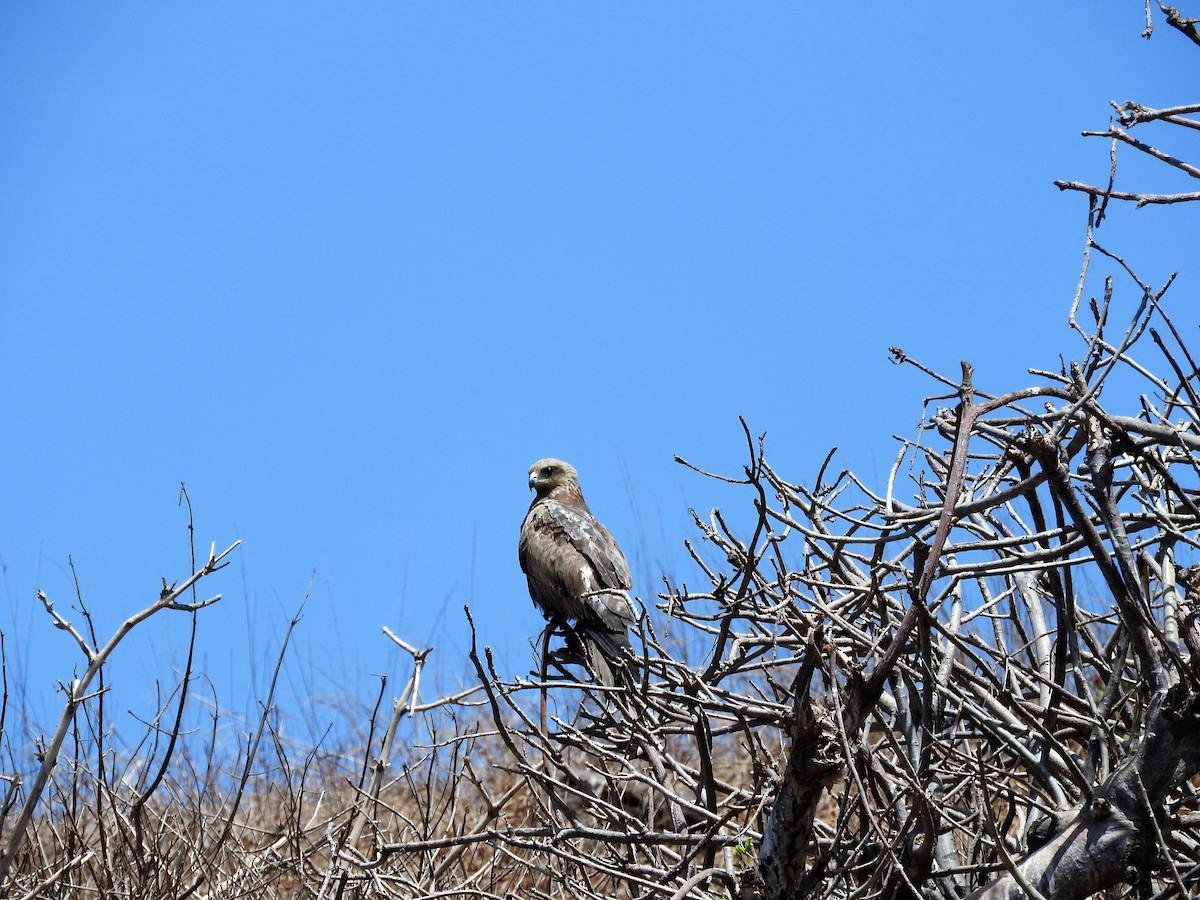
(548, 470)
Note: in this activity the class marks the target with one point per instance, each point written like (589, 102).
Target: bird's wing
(574, 567)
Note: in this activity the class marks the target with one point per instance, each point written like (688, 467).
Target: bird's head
(546, 475)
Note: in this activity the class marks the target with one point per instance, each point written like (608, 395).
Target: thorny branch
(986, 688)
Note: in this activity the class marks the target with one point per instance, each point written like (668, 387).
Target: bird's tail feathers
(608, 655)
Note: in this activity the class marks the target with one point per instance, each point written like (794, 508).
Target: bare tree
(979, 679)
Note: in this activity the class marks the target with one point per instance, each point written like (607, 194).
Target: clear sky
(346, 270)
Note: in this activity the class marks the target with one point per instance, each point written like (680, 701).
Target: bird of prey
(575, 569)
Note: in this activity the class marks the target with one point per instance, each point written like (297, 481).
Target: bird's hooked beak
(533, 481)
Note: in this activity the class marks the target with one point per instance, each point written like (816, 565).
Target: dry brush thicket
(978, 679)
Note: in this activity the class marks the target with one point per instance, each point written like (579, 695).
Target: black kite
(575, 569)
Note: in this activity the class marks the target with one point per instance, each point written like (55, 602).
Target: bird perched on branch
(575, 569)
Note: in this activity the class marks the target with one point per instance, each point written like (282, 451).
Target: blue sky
(347, 270)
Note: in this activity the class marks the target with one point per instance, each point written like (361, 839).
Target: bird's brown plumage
(574, 568)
